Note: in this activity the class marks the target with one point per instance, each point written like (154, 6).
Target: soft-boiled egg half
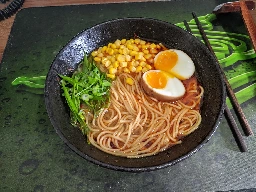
(162, 86)
(175, 62)
(165, 83)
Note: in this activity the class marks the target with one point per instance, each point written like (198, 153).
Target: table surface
(34, 158)
(5, 25)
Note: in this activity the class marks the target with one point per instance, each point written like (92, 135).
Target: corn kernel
(137, 41)
(112, 59)
(148, 56)
(126, 70)
(113, 46)
(111, 76)
(130, 46)
(142, 63)
(128, 58)
(120, 58)
(117, 43)
(144, 69)
(153, 50)
(128, 42)
(97, 59)
(116, 51)
(138, 69)
(136, 63)
(123, 41)
(135, 48)
(142, 42)
(104, 48)
(148, 66)
(94, 53)
(144, 46)
(133, 53)
(126, 51)
(112, 70)
(133, 63)
(132, 68)
(120, 51)
(110, 51)
(109, 45)
(100, 54)
(158, 46)
(116, 64)
(138, 56)
(105, 62)
(110, 66)
(146, 51)
(132, 41)
(129, 81)
(123, 64)
(99, 50)
(153, 46)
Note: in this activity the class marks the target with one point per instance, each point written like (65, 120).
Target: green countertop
(34, 158)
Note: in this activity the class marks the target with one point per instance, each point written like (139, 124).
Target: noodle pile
(136, 125)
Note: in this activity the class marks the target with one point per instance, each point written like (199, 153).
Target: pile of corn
(125, 56)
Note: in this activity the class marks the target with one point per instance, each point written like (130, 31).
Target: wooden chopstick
(248, 20)
(239, 112)
(235, 130)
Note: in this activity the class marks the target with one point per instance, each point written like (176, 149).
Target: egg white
(173, 88)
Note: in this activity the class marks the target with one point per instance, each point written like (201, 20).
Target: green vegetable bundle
(88, 87)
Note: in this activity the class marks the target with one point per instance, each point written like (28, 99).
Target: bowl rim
(137, 169)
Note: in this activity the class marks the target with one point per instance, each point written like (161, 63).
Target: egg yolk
(166, 60)
(156, 80)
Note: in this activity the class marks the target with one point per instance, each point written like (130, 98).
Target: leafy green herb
(87, 86)
(33, 82)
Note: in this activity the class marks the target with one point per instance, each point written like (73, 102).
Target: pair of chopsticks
(237, 108)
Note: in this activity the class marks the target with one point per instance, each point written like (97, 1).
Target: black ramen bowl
(207, 71)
